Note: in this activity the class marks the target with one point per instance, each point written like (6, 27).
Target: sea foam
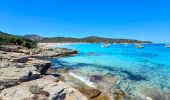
(83, 79)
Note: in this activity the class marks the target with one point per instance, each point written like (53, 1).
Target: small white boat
(139, 46)
(105, 45)
(167, 46)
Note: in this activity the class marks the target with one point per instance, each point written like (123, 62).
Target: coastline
(17, 63)
(124, 86)
(52, 45)
(23, 68)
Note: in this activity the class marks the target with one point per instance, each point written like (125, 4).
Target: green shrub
(28, 44)
(35, 89)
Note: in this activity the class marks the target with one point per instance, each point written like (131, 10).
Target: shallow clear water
(139, 68)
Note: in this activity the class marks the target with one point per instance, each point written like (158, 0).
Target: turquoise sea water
(141, 72)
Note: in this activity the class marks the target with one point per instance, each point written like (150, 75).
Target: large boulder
(89, 92)
(41, 65)
(58, 52)
(65, 51)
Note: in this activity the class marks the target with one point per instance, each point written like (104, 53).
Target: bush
(26, 44)
(35, 89)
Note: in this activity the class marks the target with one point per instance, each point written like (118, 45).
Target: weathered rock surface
(43, 51)
(12, 75)
(18, 67)
(6, 56)
(57, 52)
(49, 85)
(58, 70)
(12, 48)
(41, 65)
(16, 73)
(91, 93)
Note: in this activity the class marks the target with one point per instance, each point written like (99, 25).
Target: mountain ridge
(33, 37)
(88, 39)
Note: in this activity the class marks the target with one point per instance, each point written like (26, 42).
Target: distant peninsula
(90, 39)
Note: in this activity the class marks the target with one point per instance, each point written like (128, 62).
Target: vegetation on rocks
(90, 39)
(35, 89)
(8, 39)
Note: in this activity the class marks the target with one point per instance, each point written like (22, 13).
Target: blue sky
(134, 19)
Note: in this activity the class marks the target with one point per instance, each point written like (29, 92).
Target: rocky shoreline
(23, 75)
(26, 74)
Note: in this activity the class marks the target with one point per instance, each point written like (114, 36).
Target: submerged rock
(59, 70)
(89, 92)
(96, 78)
(119, 94)
(154, 93)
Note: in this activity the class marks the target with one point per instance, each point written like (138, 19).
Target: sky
(132, 19)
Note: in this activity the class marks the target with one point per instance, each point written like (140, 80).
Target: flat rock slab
(57, 90)
(18, 67)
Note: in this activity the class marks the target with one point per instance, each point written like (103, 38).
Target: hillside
(91, 39)
(30, 39)
(33, 37)
(8, 39)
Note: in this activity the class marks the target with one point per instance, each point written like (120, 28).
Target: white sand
(54, 44)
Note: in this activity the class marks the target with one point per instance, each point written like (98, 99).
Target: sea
(140, 72)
